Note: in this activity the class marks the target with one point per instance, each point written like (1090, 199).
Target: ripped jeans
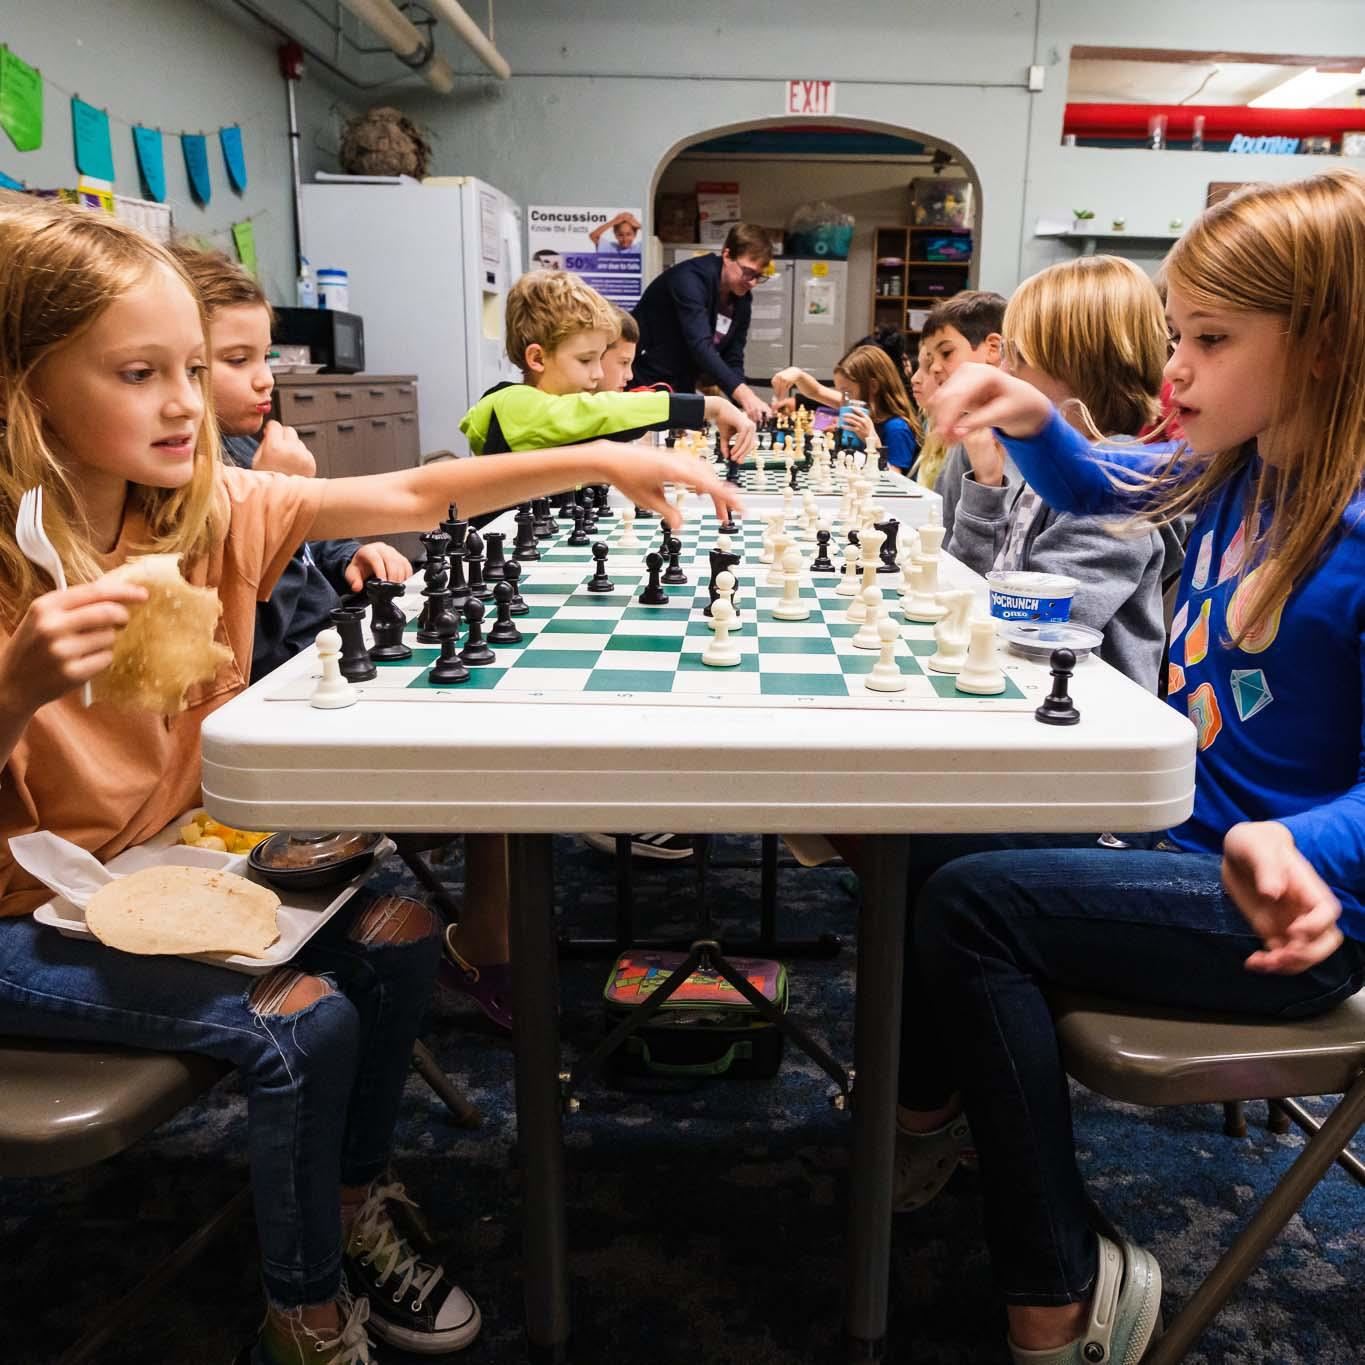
(322, 1084)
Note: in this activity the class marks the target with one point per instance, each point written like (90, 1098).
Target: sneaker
(664, 847)
(925, 1163)
(489, 986)
(294, 1344)
(413, 1303)
(1125, 1312)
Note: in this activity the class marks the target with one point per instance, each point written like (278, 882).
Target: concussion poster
(602, 246)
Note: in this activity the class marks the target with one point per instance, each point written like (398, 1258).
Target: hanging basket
(383, 142)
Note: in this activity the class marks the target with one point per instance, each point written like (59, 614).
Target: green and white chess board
(773, 479)
(606, 648)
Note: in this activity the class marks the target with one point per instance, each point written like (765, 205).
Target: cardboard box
(676, 218)
(717, 210)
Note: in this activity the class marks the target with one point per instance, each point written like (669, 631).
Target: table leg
(881, 938)
(535, 1036)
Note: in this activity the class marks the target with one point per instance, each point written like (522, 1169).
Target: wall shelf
(909, 245)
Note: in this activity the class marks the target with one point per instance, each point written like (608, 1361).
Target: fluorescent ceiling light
(1306, 88)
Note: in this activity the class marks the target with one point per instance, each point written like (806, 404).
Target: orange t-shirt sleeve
(271, 517)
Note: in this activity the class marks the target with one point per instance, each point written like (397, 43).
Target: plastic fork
(37, 549)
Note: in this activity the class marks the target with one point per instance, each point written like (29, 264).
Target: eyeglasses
(749, 275)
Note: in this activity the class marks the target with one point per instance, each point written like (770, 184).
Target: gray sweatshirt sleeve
(948, 485)
(981, 522)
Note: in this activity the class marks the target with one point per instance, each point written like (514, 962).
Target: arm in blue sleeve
(1068, 472)
(688, 291)
(332, 557)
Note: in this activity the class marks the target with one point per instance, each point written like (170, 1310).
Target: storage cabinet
(927, 265)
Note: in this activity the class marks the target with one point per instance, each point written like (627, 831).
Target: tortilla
(168, 645)
(174, 909)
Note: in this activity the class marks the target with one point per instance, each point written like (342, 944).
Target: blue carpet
(707, 1225)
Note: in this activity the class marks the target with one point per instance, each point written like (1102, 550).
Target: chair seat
(68, 1105)
(1143, 1054)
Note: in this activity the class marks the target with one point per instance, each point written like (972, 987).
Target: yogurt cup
(1019, 595)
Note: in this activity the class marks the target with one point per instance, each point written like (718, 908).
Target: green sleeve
(532, 420)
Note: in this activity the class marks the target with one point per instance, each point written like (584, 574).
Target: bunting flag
(151, 162)
(197, 165)
(235, 155)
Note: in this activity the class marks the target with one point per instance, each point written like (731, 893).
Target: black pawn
(891, 530)
(578, 536)
(599, 502)
(473, 557)
(476, 652)
(728, 526)
(386, 620)
(732, 471)
(435, 615)
(600, 582)
(519, 607)
(503, 632)
(674, 573)
(1057, 707)
(563, 503)
(495, 562)
(540, 508)
(643, 514)
(449, 668)
(822, 563)
(356, 665)
(654, 594)
(585, 501)
(524, 546)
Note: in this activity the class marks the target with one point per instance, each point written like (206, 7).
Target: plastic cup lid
(307, 851)
(1037, 639)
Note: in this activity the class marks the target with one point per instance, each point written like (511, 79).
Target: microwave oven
(336, 341)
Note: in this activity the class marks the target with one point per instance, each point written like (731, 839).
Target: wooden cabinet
(916, 276)
(355, 424)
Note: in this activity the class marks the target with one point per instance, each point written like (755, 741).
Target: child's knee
(394, 919)
(286, 991)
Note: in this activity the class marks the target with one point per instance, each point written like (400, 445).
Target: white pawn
(725, 587)
(333, 691)
(791, 607)
(628, 539)
(951, 635)
(886, 675)
(721, 651)
(873, 611)
(982, 674)
(848, 580)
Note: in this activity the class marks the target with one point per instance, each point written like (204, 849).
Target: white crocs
(925, 1162)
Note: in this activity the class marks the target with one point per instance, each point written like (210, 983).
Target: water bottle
(305, 291)
(848, 438)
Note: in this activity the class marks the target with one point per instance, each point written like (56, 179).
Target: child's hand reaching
(987, 457)
(639, 474)
(63, 640)
(738, 435)
(281, 452)
(978, 397)
(1291, 908)
(784, 381)
(377, 560)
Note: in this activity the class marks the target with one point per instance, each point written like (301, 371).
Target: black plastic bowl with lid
(305, 860)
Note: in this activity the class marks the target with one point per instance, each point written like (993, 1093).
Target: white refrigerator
(430, 264)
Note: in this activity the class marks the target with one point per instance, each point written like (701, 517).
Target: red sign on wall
(810, 97)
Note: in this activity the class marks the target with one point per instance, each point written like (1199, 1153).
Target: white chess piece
(886, 675)
(787, 496)
(924, 604)
(931, 540)
(332, 691)
(952, 635)
(775, 526)
(982, 674)
(848, 579)
(791, 606)
(871, 541)
(873, 611)
(628, 539)
(780, 542)
(726, 587)
(721, 651)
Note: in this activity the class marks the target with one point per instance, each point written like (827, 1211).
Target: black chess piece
(792, 479)
(473, 558)
(503, 632)
(822, 563)
(599, 501)
(600, 582)
(433, 620)
(643, 513)
(732, 468)
(1057, 707)
(476, 652)
(449, 668)
(356, 665)
(653, 594)
(891, 530)
(721, 562)
(562, 504)
(495, 556)
(524, 546)
(519, 607)
(457, 587)
(387, 621)
(540, 509)
(584, 500)
(674, 573)
(452, 524)
(579, 534)
(729, 527)
(435, 570)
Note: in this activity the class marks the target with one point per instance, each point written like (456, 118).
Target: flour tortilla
(168, 645)
(184, 910)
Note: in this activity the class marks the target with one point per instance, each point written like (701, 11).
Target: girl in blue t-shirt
(1256, 904)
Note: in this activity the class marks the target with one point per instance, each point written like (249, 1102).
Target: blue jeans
(322, 1085)
(993, 931)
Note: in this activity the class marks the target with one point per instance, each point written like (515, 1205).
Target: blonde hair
(1095, 324)
(1297, 252)
(220, 282)
(545, 307)
(60, 268)
(874, 372)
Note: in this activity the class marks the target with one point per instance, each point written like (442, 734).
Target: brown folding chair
(1143, 1055)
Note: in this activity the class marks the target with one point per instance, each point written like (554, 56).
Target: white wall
(178, 66)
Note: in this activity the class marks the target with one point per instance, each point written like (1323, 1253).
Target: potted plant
(1081, 220)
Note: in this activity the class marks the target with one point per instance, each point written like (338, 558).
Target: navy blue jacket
(311, 585)
(677, 317)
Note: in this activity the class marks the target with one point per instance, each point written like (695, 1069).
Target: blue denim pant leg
(995, 931)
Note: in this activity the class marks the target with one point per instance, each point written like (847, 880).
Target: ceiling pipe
(454, 14)
(408, 44)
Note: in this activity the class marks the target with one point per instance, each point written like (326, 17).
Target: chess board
(773, 479)
(606, 648)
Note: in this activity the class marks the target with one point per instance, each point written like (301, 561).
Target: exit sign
(810, 97)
